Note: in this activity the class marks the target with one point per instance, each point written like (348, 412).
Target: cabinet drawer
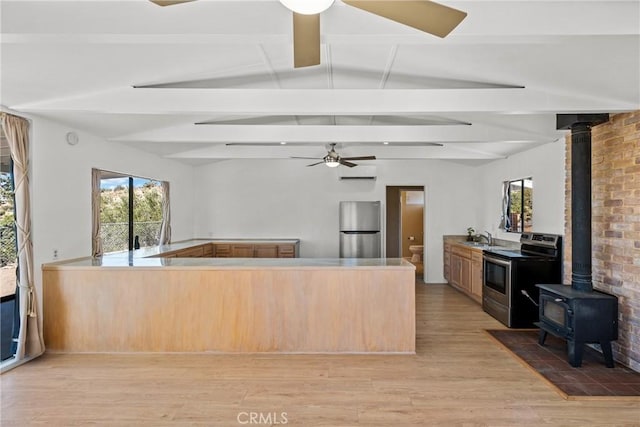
(461, 251)
(222, 250)
(286, 251)
(208, 250)
(476, 256)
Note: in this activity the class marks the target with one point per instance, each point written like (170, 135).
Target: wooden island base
(226, 308)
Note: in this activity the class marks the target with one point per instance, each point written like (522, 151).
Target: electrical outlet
(55, 254)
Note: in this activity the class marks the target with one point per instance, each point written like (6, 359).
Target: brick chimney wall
(615, 224)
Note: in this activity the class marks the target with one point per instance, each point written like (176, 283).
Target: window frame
(13, 298)
(105, 175)
(520, 228)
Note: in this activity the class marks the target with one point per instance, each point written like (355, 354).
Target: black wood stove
(580, 317)
(578, 313)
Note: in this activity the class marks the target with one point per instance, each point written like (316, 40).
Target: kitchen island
(127, 302)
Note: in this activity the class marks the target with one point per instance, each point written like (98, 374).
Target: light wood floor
(458, 377)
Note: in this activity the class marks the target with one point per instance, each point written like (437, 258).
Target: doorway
(405, 224)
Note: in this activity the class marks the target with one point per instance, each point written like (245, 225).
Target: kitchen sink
(480, 245)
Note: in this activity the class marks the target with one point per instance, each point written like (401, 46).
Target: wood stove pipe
(581, 247)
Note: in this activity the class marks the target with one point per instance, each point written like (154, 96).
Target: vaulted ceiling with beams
(209, 79)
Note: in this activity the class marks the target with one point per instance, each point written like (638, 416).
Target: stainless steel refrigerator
(360, 235)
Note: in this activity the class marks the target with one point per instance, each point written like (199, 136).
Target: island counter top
(129, 302)
(125, 261)
(151, 257)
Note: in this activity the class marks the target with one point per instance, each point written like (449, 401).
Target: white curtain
(505, 220)
(96, 240)
(30, 341)
(165, 227)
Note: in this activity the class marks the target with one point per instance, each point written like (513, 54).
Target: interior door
(393, 219)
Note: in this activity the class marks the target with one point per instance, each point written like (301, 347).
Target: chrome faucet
(489, 238)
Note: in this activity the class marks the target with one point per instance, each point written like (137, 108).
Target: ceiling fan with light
(424, 15)
(333, 159)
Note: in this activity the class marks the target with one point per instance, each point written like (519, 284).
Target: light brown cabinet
(447, 261)
(192, 252)
(235, 250)
(255, 250)
(208, 250)
(461, 272)
(265, 251)
(221, 250)
(463, 269)
(195, 252)
(286, 251)
(476, 276)
(242, 251)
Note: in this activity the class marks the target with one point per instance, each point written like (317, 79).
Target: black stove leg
(574, 350)
(606, 351)
(542, 336)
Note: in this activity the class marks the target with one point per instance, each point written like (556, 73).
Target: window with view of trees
(129, 207)
(8, 253)
(520, 206)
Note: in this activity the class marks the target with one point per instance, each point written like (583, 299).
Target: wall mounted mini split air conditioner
(362, 173)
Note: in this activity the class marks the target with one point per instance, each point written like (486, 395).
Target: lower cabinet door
(242, 251)
(286, 251)
(266, 251)
(476, 280)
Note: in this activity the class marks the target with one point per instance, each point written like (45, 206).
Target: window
(130, 212)
(518, 196)
(8, 255)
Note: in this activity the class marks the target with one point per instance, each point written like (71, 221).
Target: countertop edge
(404, 265)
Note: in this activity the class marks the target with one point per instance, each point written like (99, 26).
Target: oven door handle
(497, 261)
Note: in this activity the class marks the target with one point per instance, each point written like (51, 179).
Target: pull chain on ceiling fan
(333, 159)
(424, 15)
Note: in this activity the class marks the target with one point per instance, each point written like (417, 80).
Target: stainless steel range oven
(509, 293)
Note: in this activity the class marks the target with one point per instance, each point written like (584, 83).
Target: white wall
(61, 189)
(285, 199)
(545, 164)
(277, 198)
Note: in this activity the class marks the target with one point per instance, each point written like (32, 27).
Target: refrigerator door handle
(359, 232)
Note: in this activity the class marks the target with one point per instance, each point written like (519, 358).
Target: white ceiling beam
(336, 101)
(383, 153)
(232, 133)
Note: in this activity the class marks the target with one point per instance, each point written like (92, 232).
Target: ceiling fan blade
(349, 164)
(306, 40)
(313, 164)
(359, 158)
(424, 15)
(307, 158)
(169, 2)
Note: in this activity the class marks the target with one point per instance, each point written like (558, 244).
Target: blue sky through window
(111, 183)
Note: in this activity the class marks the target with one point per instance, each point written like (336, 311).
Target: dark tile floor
(593, 378)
